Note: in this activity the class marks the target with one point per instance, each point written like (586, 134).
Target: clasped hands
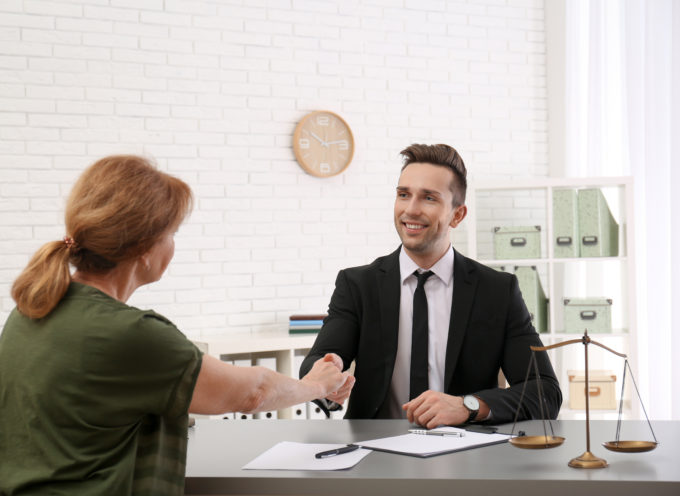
(341, 393)
(433, 408)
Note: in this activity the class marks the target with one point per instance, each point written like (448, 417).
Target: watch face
(471, 402)
(323, 144)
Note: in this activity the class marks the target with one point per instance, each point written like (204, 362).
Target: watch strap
(472, 416)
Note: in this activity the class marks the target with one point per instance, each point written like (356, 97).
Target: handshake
(335, 384)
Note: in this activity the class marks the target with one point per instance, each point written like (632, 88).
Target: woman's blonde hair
(118, 209)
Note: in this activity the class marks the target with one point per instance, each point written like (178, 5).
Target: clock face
(323, 144)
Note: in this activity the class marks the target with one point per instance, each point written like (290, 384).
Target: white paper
(300, 456)
(429, 445)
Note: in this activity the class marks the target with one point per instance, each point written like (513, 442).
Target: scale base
(588, 460)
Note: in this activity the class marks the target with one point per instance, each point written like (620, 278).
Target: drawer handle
(588, 315)
(518, 241)
(589, 240)
(593, 391)
(563, 240)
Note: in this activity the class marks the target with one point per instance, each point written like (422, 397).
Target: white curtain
(623, 118)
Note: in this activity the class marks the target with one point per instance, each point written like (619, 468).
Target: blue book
(306, 322)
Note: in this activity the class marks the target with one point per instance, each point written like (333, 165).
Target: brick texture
(212, 90)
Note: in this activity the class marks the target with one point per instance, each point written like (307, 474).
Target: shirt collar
(443, 268)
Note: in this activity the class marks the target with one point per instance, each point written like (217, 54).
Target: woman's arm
(222, 387)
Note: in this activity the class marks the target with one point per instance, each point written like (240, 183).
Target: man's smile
(412, 226)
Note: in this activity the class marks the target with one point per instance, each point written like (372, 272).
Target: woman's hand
(327, 371)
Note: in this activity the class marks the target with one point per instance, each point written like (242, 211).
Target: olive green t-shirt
(94, 400)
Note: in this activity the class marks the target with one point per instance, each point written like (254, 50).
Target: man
(475, 321)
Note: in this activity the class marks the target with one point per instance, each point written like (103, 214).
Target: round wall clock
(323, 144)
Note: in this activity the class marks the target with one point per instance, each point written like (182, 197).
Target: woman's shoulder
(89, 305)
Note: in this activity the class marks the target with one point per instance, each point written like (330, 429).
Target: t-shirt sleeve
(184, 359)
(146, 367)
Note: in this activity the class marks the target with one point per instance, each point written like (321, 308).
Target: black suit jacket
(490, 329)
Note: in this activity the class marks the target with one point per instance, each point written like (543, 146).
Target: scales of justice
(587, 459)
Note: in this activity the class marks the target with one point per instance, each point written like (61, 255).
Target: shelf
(553, 182)
(284, 348)
(530, 203)
(568, 414)
(257, 343)
(538, 261)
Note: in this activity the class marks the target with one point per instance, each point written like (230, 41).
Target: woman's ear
(144, 261)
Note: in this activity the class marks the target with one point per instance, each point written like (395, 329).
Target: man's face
(423, 209)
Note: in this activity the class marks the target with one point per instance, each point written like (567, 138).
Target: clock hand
(336, 142)
(323, 143)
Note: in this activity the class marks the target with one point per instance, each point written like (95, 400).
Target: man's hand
(341, 394)
(332, 362)
(433, 408)
(326, 373)
(333, 358)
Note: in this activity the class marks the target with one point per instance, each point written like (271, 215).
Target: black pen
(337, 451)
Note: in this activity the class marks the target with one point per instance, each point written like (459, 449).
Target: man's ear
(459, 214)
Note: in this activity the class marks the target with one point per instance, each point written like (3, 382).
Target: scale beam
(585, 340)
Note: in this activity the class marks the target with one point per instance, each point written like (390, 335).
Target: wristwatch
(472, 404)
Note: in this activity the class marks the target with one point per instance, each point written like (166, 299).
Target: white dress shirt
(439, 292)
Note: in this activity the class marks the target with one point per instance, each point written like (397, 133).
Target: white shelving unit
(528, 203)
(281, 347)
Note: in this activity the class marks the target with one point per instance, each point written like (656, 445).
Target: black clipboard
(426, 446)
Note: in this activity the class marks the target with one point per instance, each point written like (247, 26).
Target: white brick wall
(213, 89)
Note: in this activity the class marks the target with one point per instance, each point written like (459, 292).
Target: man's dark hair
(445, 156)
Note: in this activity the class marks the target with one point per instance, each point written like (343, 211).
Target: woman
(94, 393)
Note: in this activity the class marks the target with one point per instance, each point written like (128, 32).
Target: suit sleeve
(516, 357)
(340, 331)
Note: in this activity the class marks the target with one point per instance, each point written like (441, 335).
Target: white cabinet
(530, 203)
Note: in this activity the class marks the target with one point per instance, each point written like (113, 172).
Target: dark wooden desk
(219, 448)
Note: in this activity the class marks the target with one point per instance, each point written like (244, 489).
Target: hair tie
(69, 242)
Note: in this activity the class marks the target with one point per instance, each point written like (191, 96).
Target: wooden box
(601, 390)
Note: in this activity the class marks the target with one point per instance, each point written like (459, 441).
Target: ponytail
(118, 209)
(44, 281)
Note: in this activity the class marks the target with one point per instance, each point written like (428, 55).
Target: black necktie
(419, 381)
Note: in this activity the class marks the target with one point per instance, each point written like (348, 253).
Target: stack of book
(305, 324)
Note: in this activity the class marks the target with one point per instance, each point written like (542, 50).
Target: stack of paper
(423, 445)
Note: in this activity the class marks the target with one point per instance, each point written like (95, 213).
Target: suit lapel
(464, 287)
(389, 285)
